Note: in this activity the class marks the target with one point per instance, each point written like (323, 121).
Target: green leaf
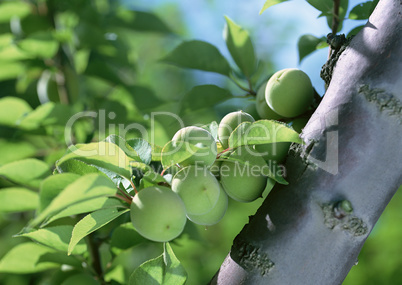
(26, 258)
(11, 9)
(86, 207)
(165, 269)
(91, 223)
(28, 172)
(199, 55)
(11, 70)
(343, 7)
(17, 199)
(141, 21)
(52, 186)
(40, 44)
(82, 278)
(11, 109)
(84, 188)
(204, 96)
(47, 114)
(57, 237)
(307, 44)
(100, 154)
(175, 152)
(142, 148)
(354, 31)
(325, 6)
(241, 48)
(124, 237)
(212, 128)
(270, 3)
(77, 167)
(262, 132)
(11, 150)
(362, 11)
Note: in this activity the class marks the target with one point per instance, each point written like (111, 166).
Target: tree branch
(305, 232)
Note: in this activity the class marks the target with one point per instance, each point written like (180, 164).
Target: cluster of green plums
(203, 182)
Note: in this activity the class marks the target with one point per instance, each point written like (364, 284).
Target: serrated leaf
(77, 167)
(241, 48)
(124, 237)
(30, 263)
(18, 199)
(11, 109)
(270, 3)
(204, 96)
(28, 172)
(100, 154)
(10, 9)
(199, 55)
(84, 188)
(175, 152)
(165, 269)
(52, 186)
(57, 237)
(262, 132)
(86, 207)
(91, 223)
(308, 44)
(362, 11)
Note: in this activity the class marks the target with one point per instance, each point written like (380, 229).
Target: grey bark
(303, 233)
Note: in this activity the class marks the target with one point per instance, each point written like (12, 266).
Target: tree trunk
(306, 232)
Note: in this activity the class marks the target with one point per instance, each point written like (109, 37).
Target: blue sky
(274, 32)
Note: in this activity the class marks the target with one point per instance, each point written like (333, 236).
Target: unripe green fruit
(201, 138)
(229, 123)
(244, 182)
(198, 188)
(299, 123)
(216, 213)
(251, 109)
(263, 110)
(289, 92)
(158, 214)
(273, 151)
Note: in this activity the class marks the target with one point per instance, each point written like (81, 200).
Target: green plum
(199, 137)
(229, 123)
(289, 92)
(263, 110)
(243, 181)
(215, 214)
(158, 214)
(251, 109)
(299, 123)
(198, 188)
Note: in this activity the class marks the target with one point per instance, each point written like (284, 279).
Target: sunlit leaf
(28, 172)
(32, 253)
(57, 237)
(270, 3)
(308, 44)
(11, 109)
(91, 223)
(241, 48)
(17, 199)
(262, 132)
(165, 269)
(10, 9)
(362, 11)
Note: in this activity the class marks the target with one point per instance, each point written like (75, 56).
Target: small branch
(96, 259)
(335, 18)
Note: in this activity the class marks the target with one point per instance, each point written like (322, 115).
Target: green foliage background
(58, 58)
